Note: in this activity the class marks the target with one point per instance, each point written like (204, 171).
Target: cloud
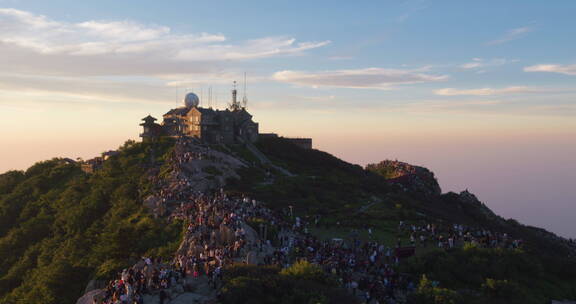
(252, 49)
(512, 34)
(552, 68)
(28, 37)
(484, 91)
(341, 57)
(511, 106)
(83, 89)
(320, 98)
(480, 63)
(42, 35)
(471, 65)
(411, 8)
(369, 78)
(218, 78)
(122, 60)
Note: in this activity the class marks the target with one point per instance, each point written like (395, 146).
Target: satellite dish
(191, 100)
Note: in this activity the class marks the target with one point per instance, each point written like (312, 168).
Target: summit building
(233, 125)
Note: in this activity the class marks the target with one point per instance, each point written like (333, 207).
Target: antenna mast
(244, 98)
(201, 95)
(235, 105)
(209, 96)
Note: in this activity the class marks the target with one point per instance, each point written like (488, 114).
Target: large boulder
(88, 298)
(94, 284)
(251, 234)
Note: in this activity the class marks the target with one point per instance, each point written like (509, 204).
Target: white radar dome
(191, 100)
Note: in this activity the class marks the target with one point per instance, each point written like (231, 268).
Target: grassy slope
(337, 189)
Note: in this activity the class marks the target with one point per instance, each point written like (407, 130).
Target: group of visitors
(219, 234)
(148, 276)
(456, 235)
(367, 268)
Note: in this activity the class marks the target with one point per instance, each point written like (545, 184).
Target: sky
(480, 92)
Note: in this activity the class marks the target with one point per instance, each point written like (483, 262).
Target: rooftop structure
(233, 125)
(230, 126)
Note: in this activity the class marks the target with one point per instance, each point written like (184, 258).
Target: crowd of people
(219, 234)
(216, 236)
(148, 276)
(367, 268)
(456, 235)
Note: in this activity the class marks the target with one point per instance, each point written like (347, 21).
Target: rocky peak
(410, 177)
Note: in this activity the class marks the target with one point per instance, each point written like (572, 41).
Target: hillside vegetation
(61, 228)
(543, 269)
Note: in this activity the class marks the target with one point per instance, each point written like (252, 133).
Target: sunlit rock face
(410, 177)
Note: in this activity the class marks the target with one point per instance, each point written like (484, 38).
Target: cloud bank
(368, 78)
(29, 39)
(512, 34)
(481, 63)
(553, 68)
(484, 91)
(122, 60)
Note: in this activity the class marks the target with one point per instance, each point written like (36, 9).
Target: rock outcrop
(410, 177)
(88, 298)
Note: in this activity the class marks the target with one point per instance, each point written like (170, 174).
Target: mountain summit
(182, 220)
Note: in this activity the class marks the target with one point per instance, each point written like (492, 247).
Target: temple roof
(149, 118)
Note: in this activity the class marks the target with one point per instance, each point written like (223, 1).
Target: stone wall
(305, 143)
